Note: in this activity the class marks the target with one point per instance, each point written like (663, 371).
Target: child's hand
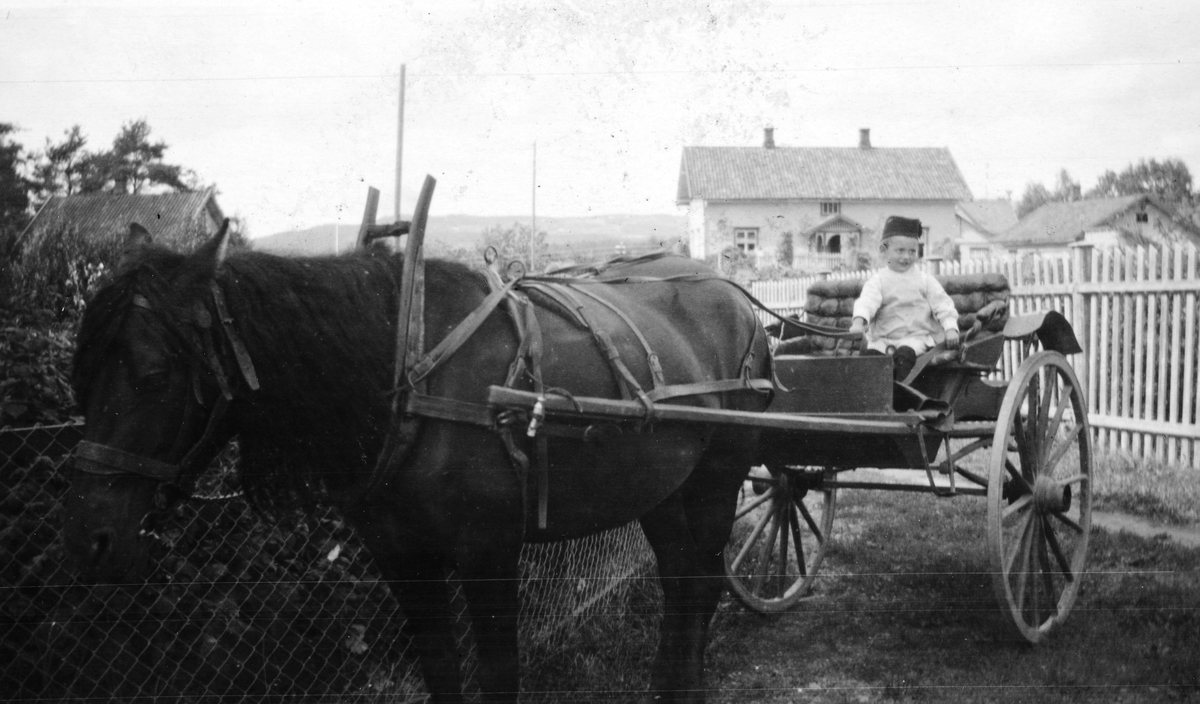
(951, 341)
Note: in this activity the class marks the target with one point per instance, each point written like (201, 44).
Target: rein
(104, 460)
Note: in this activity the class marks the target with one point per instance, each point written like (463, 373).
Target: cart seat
(831, 303)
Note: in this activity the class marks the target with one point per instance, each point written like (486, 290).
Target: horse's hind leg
(688, 532)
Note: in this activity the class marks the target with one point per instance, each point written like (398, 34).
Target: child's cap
(897, 226)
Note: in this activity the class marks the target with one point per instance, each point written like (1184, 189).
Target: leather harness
(570, 295)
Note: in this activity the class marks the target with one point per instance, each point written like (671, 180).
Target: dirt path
(1105, 520)
(1120, 522)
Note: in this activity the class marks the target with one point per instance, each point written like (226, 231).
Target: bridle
(104, 460)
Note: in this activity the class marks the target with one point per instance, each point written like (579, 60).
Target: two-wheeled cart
(836, 410)
(1022, 442)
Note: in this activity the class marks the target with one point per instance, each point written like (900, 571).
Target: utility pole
(399, 143)
(533, 226)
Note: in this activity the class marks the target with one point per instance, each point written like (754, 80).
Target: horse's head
(149, 374)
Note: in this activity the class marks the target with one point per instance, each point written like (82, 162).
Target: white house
(830, 202)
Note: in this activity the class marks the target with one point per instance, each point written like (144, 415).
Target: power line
(664, 72)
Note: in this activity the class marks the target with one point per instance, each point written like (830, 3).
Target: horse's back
(698, 325)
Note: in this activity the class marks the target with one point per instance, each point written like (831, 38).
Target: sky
(291, 109)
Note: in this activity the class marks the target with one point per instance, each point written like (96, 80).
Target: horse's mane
(320, 331)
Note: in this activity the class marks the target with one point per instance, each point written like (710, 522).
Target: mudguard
(1051, 328)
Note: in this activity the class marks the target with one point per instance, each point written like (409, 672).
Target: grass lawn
(904, 611)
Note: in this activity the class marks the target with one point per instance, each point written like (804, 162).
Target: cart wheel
(1039, 496)
(779, 537)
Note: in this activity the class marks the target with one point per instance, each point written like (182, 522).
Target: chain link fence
(239, 608)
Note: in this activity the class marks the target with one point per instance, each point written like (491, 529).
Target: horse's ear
(137, 238)
(215, 249)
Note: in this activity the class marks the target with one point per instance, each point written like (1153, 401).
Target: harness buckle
(537, 417)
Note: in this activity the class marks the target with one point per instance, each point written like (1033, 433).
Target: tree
(1169, 180)
(133, 163)
(14, 187)
(1036, 195)
(60, 167)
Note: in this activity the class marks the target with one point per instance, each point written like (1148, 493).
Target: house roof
(819, 173)
(1064, 223)
(989, 217)
(106, 214)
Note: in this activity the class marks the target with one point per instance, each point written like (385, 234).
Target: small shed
(178, 220)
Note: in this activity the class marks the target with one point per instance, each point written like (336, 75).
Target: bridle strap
(94, 458)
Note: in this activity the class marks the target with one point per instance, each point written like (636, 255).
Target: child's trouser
(904, 358)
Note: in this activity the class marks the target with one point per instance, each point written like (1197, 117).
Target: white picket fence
(1134, 312)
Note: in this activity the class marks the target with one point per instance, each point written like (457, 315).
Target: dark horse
(295, 356)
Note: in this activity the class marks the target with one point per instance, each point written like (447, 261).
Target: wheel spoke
(1060, 409)
(1052, 541)
(755, 503)
(1029, 428)
(1036, 562)
(1020, 434)
(765, 557)
(784, 532)
(794, 525)
(1016, 476)
(812, 525)
(1069, 521)
(1076, 479)
(1043, 418)
(1021, 553)
(1061, 448)
(750, 541)
(1018, 505)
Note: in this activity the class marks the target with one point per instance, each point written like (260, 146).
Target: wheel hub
(1051, 496)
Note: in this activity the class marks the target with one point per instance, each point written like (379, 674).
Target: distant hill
(588, 232)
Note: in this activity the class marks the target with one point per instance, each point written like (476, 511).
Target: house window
(1143, 217)
(830, 209)
(746, 239)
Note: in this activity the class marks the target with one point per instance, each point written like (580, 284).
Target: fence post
(1081, 259)
(935, 265)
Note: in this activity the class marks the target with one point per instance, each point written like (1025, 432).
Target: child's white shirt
(905, 308)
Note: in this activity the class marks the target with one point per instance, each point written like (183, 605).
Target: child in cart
(903, 310)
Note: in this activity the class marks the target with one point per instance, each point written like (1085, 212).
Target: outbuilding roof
(106, 214)
(1066, 222)
(990, 217)
(819, 173)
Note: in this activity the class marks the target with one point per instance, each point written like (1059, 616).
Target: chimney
(768, 138)
(864, 138)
